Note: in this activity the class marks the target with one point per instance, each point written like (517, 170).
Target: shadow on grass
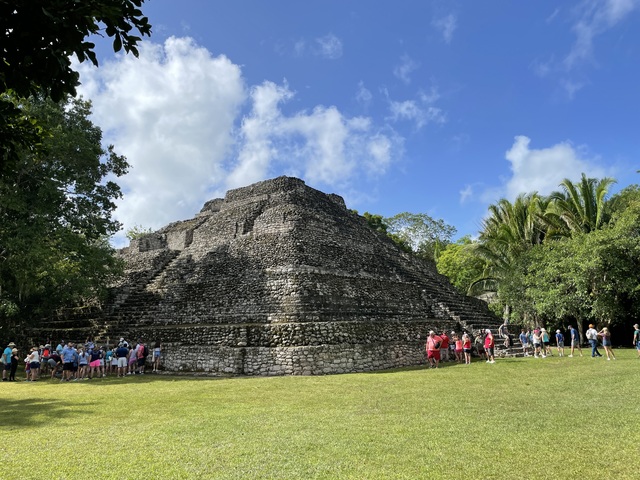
(30, 412)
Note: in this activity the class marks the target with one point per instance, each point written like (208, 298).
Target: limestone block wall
(276, 279)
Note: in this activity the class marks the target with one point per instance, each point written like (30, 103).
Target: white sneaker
(608, 359)
(488, 361)
(492, 361)
(570, 356)
(536, 356)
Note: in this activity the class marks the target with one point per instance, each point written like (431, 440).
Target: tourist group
(536, 342)
(73, 362)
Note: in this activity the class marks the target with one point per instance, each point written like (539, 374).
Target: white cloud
(406, 67)
(466, 193)
(542, 170)
(446, 26)
(191, 129)
(595, 17)
(171, 113)
(322, 146)
(421, 111)
(329, 47)
(363, 95)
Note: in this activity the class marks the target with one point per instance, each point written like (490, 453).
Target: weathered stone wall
(279, 278)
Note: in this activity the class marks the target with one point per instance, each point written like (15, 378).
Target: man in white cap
(6, 361)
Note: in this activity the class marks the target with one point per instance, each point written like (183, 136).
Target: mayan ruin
(277, 278)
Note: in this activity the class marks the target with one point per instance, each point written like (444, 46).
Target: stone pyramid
(278, 278)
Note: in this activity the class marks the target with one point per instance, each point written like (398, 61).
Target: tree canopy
(571, 256)
(56, 212)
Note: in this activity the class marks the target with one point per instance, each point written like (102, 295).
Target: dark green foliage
(55, 213)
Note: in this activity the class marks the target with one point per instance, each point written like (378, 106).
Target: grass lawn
(519, 418)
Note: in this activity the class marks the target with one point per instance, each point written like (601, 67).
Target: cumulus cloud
(191, 128)
(171, 113)
(446, 26)
(405, 68)
(542, 170)
(322, 146)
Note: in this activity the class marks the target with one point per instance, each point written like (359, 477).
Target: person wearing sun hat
(6, 361)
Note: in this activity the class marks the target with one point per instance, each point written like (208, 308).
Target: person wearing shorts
(636, 338)
(433, 349)
(489, 346)
(69, 355)
(6, 361)
(156, 356)
(560, 343)
(524, 340)
(537, 342)
(121, 355)
(466, 348)
(575, 340)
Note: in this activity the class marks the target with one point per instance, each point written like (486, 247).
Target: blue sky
(438, 107)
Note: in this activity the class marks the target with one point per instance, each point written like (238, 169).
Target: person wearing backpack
(433, 349)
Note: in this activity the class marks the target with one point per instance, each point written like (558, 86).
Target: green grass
(520, 418)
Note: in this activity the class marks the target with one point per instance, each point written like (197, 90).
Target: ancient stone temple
(278, 278)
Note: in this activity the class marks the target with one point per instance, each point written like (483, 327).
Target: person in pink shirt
(433, 349)
(459, 348)
(488, 346)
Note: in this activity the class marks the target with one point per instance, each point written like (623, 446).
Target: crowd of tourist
(536, 343)
(73, 362)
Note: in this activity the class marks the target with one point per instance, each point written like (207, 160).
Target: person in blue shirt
(69, 356)
(6, 361)
(560, 343)
(575, 340)
(524, 340)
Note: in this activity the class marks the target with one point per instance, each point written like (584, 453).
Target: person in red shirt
(488, 347)
(444, 347)
(433, 349)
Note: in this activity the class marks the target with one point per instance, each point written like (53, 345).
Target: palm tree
(508, 231)
(579, 207)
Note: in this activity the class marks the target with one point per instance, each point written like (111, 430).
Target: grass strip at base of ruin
(518, 418)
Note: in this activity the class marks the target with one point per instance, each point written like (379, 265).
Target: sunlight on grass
(519, 418)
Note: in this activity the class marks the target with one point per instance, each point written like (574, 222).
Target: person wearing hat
(14, 364)
(560, 343)
(433, 349)
(636, 338)
(592, 336)
(6, 361)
